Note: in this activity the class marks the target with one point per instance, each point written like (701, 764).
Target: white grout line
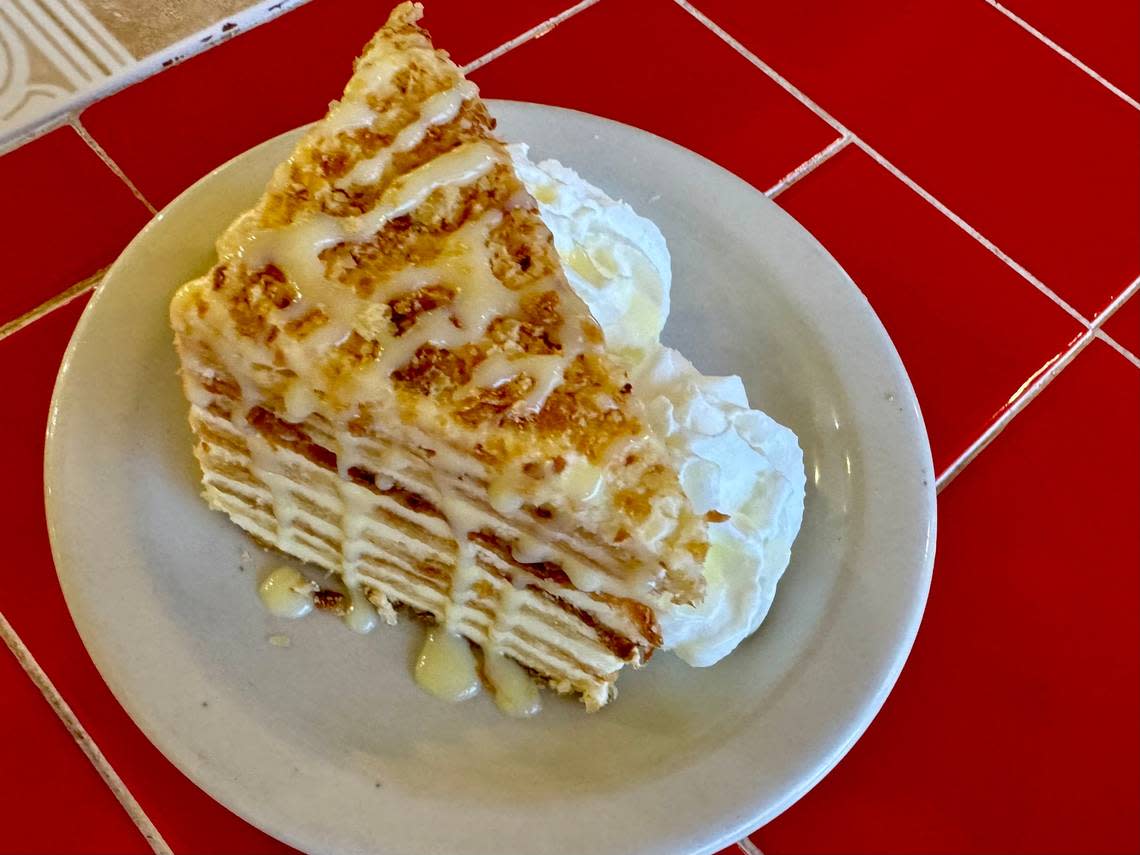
(72, 119)
(83, 738)
(972, 232)
(1130, 290)
(1034, 386)
(795, 92)
(212, 36)
(217, 33)
(77, 125)
(737, 46)
(1023, 396)
(50, 123)
(808, 166)
(1118, 347)
(1018, 402)
(1029, 28)
(52, 303)
(535, 32)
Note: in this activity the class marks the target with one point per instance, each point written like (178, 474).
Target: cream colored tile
(58, 55)
(30, 83)
(147, 26)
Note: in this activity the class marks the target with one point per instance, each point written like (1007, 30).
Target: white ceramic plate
(328, 744)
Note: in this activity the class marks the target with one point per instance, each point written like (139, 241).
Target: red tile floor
(972, 165)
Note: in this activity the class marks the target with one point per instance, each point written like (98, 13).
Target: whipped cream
(734, 462)
(616, 261)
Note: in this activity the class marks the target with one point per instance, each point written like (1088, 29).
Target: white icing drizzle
(436, 110)
(506, 493)
(300, 401)
(455, 168)
(357, 503)
(445, 666)
(442, 667)
(284, 505)
(464, 520)
(286, 593)
(514, 691)
(531, 550)
(545, 370)
(347, 116)
(580, 481)
(361, 616)
(295, 248)
(464, 265)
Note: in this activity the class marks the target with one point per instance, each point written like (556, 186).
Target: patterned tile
(145, 27)
(170, 130)
(1013, 726)
(948, 304)
(54, 51)
(1009, 135)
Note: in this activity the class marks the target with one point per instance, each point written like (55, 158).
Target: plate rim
(854, 727)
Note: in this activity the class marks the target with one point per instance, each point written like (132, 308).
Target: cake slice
(389, 377)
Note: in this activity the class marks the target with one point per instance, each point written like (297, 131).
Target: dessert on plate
(394, 373)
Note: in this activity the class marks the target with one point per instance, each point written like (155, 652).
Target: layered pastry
(392, 376)
(737, 466)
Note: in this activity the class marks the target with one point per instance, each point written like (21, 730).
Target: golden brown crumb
(407, 308)
(331, 601)
(699, 549)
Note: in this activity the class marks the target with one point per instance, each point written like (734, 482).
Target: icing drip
(286, 593)
(515, 692)
(281, 488)
(463, 520)
(442, 666)
(446, 667)
(361, 617)
(357, 504)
